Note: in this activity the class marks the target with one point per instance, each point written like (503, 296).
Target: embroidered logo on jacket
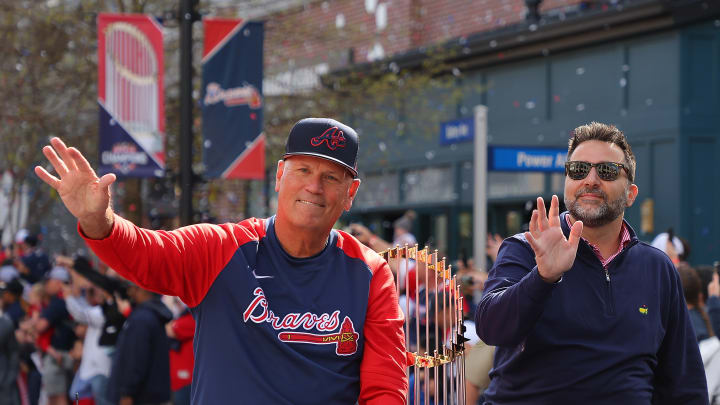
(333, 137)
(345, 339)
(643, 309)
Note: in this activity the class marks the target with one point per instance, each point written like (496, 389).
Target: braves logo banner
(130, 95)
(234, 145)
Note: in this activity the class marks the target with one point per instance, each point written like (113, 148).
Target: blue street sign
(526, 159)
(455, 131)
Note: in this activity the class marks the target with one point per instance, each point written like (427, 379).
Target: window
(432, 184)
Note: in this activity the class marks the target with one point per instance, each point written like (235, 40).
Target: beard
(599, 215)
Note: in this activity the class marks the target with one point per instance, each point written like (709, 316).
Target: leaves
(48, 77)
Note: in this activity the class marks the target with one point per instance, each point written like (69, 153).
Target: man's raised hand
(554, 254)
(85, 195)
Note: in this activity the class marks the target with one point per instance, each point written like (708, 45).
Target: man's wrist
(98, 227)
(549, 280)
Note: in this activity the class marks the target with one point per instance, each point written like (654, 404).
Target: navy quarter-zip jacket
(624, 338)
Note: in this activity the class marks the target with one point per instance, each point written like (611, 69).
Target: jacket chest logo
(345, 340)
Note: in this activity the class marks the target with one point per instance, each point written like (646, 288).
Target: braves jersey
(272, 328)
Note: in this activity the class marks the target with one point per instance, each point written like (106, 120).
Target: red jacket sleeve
(184, 327)
(183, 262)
(382, 373)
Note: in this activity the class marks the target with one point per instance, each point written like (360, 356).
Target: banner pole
(186, 16)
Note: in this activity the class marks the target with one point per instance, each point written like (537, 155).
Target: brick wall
(314, 33)
(443, 20)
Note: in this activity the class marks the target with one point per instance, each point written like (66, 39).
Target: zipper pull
(607, 275)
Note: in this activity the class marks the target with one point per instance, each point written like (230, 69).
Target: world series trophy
(433, 325)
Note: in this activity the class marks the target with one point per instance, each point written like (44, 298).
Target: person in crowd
(34, 263)
(478, 356)
(30, 342)
(580, 310)
(83, 301)
(478, 363)
(9, 355)
(402, 233)
(402, 229)
(704, 308)
(493, 246)
(140, 372)
(55, 322)
(181, 332)
(704, 314)
(670, 244)
(5, 253)
(253, 284)
(686, 249)
(12, 300)
(706, 274)
(114, 290)
(8, 271)
(365, 236)
(471, 281)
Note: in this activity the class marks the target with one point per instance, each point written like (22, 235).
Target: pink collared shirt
(624, 240)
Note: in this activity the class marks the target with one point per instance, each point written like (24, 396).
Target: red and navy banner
(234, 145)
(130, 95)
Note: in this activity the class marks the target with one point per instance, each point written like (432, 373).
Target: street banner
(130, 95)
(233, 141)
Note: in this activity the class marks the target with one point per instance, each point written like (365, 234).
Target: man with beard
(580, 310)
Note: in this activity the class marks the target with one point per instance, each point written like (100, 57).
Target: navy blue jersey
(272, 328)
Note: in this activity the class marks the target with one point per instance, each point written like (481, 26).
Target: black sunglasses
(608, 171)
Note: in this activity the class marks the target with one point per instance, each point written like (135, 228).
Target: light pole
(480, 187)
(187, 16)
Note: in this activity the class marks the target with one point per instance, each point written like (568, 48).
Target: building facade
(651, 67)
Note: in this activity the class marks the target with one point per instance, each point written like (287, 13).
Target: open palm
(554, 254)
(84, 194)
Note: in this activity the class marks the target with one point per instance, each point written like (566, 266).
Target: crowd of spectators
(72, 331)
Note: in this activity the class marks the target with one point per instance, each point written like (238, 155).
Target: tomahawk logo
(333, 137)
(345, 341)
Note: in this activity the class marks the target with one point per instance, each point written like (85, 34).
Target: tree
(49, 74)
(48, 78)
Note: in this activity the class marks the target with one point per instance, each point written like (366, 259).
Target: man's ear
(352, 192)
(278, 174)
(632, 194)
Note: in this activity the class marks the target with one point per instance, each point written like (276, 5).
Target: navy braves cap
(324, 138)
